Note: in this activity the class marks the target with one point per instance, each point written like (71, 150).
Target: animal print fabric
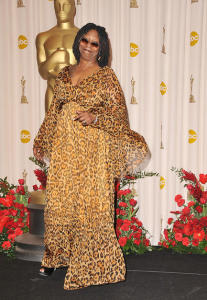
(84, 162)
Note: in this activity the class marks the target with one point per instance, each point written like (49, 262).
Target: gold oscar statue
(133, 99)
(133, 4)
(20, 3)
(79, 2)
(23, 97)
(191, 98)
(163, 45)
(54, 47)
(193, 1)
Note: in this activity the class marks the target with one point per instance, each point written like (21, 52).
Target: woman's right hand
(38, 153)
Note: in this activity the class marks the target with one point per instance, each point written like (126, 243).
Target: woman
(87, 138)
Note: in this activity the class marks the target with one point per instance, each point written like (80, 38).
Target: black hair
(103, 55)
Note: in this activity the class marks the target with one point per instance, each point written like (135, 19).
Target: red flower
(127, 222)
(185, 241)
(179, 237)
(117, 211)
(199, 209)
(118, 232)
(6, 245)
(21, 181)
(41, 177)
(18, 231)
(203, 178)
(134, 227)
(195, 243)
(35, 187)
(188, 229)
(206, 248)
(119, 222)
(189, 176)
(170, 221)
(180, 202)
(199, 235)
(132, 202)
(122, 241)
(134, 220)
(122, 212)
(203, 200)
(3, 221)
(117, 186)
(130, 177)
(186, 211)
(166, 234)
(146, 242)
(124, 227)
(178, 197)
(191, 203)
(137, 242)
(11, 237)
(20, 190)
(123, 204)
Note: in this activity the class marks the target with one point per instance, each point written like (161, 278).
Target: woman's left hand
(85, 117)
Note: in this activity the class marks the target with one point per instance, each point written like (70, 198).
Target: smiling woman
(87, 138)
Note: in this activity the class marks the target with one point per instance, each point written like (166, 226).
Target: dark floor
(152, 276)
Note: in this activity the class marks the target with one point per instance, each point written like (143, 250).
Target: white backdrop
(164, 88)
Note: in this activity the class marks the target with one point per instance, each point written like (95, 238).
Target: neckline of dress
(91, 75)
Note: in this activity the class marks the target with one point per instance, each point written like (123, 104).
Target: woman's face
(89, 46)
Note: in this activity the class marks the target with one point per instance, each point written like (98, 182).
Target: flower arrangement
(131, 234)
(40, 173)
(14, 216)
(187, 233)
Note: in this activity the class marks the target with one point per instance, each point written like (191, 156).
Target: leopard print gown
(84, 161)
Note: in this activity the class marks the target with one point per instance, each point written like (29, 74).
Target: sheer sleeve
(129, 151)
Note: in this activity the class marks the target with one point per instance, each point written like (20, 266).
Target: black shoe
(46, 271)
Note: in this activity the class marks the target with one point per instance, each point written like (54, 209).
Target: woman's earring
(99, 58)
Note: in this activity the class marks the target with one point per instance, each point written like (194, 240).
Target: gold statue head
(65, 10)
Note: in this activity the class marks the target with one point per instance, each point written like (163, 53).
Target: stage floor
(152, 276)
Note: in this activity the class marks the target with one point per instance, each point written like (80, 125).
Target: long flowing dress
(84, 162)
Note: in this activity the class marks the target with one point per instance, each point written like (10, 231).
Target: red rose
(21, 181)
(137, 242)
(195, 243)
(11, 236)
(178, 236)
(166, 234)
(119, 222)
(132, 202)
(18, 231)
(186, 211)
(126, 221)
(139, 223)
(122, 212)
(189, 176)
(124, 227)
(122, 241)
(199, 209)
(173, 243)
(35, 187)
(3, 222)
(203, 200)
(185, 241)
(199, 235)
(170, 221)
(123, 204)
(146, 242)
(6, 245)
(188, 229)
(203, 178)
(134, 228)
(191, 203)
(178, 197)
(180, 202)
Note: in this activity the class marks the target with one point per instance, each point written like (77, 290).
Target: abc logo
(134, 49)
(22, 42)
(194, 38)
(192, 136)
(163, 88)
(162, 182)
(25, 136)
